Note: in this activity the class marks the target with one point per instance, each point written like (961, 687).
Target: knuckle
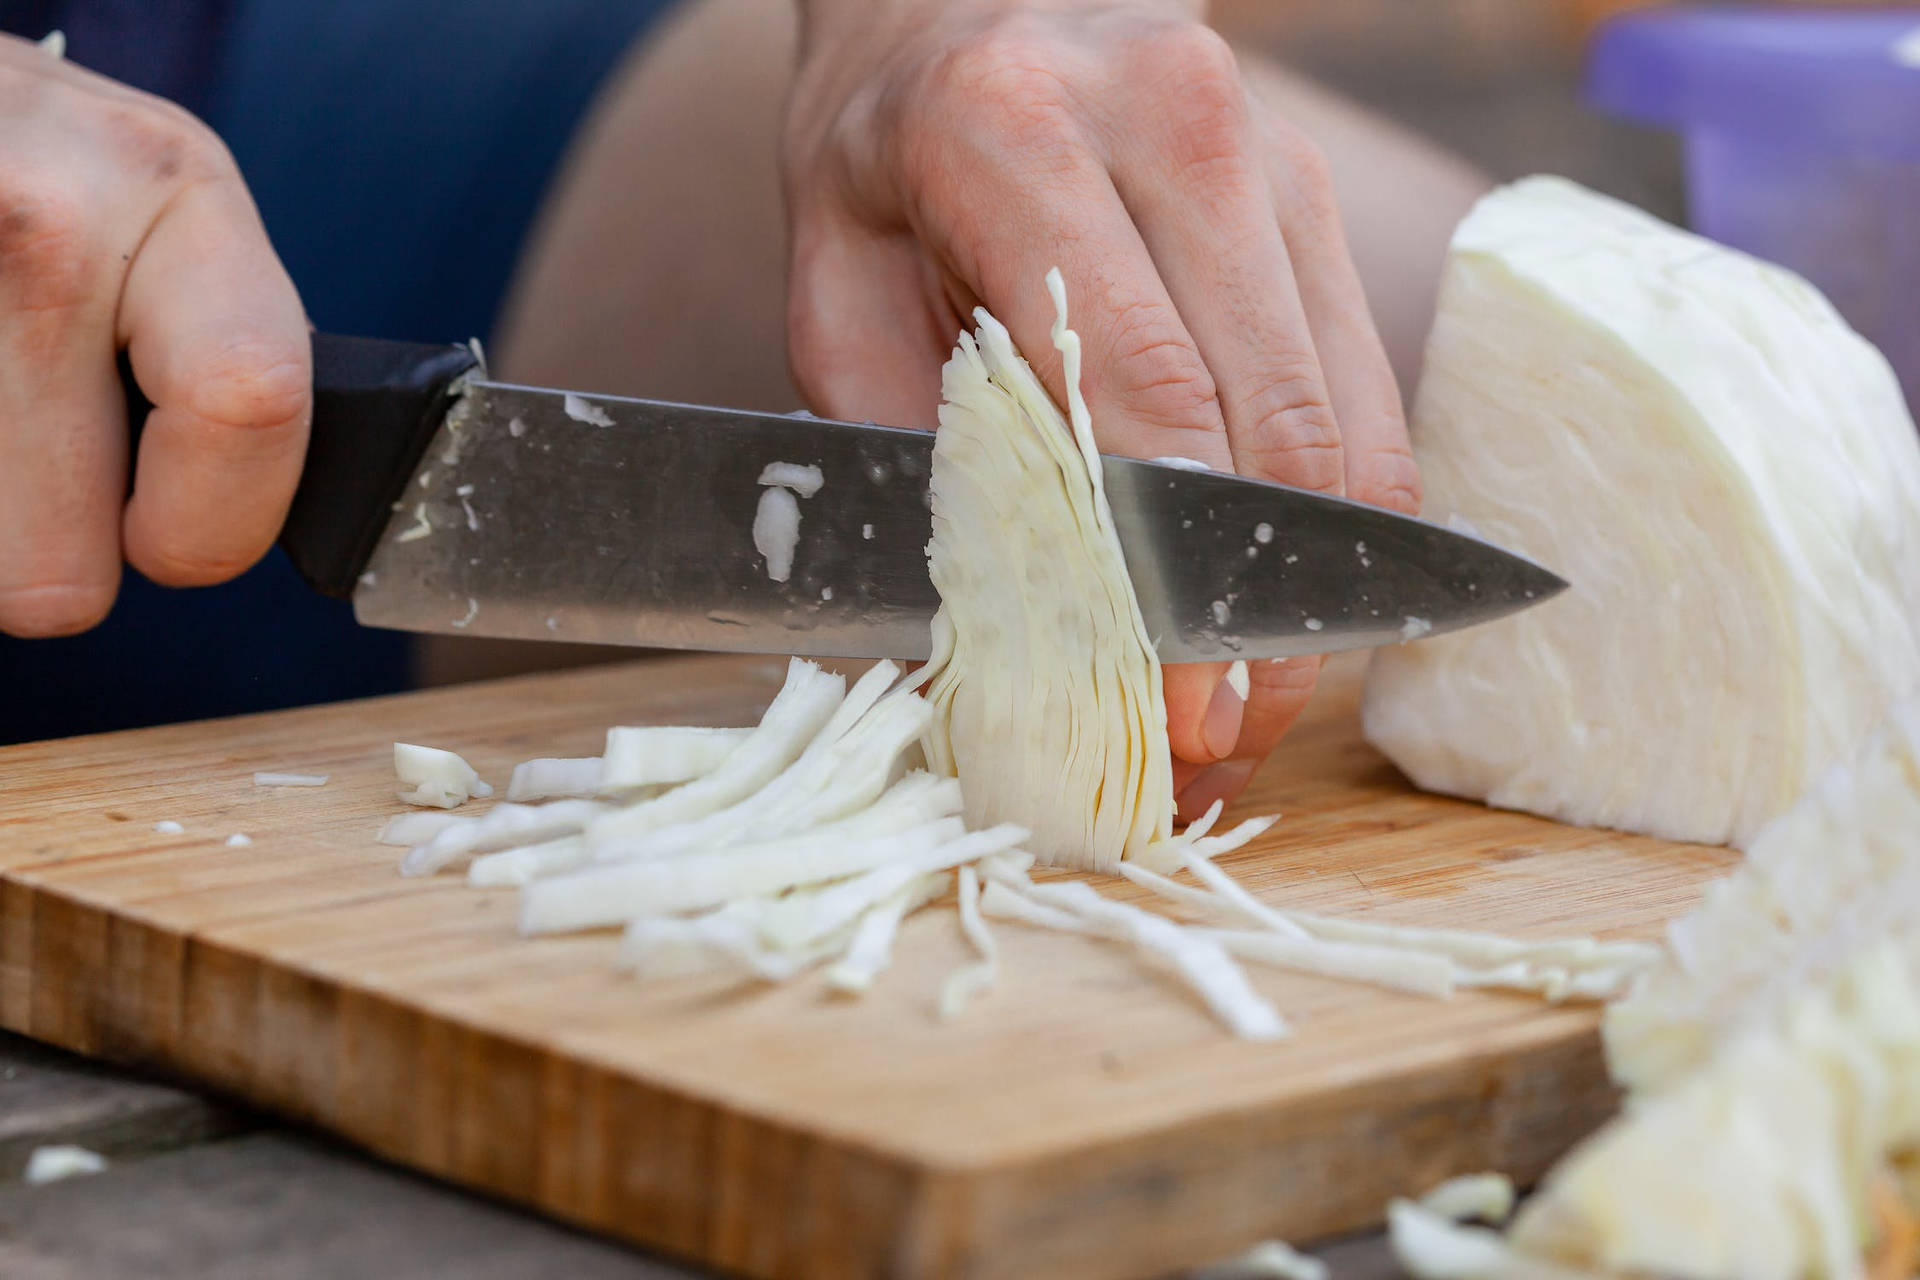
(45, 610)
(1388, 478)
(1283, 679)
(164, 141)
(1006, 51)
(44, 265)
(1310, 176)
(1195, 71)
(1289, 432)
(1196, 54)
(1201, 105)
(1006, 79)
(1158, 373)
(249, 381)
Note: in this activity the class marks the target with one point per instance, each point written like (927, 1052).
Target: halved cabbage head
(1724, 471)
(1046, 688)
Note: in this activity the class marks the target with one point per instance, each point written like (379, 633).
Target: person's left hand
(940, 154)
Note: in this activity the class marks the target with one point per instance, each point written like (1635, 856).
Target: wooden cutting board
(1086, 1119)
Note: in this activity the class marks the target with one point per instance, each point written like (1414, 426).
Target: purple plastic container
(1802, 133)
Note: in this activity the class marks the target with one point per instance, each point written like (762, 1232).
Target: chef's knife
(441, 501)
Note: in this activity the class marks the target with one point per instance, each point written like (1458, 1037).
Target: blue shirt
(398, 150)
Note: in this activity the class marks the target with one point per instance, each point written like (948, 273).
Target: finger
(1193, 178)
(1203, 203)
(865, 337)
(1216, 784)
(1209, 223)
(1204, 711)
(220, 346)
(62, 435)
(1364, 394)
(1000, 215)
(1279, 692)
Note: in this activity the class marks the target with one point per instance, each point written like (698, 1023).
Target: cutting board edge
(1523, 1107)
(118, 971)
(840, 1206)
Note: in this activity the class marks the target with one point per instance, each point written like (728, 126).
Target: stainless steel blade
(527, 519)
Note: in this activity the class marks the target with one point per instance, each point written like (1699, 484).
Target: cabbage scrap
(844, 769)
(963, 984)
(504, 826)
(524, 864)
(650, 756)
(436, 778)
(610, 894)
(807, 700)
(1202, 963)
(1268, 1260)
(1486, 1197)
(550, 778)
(871, 948)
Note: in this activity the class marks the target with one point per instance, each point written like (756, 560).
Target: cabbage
(435, 778)
(1772, 1128)
(1045, 686)
(1725, 473)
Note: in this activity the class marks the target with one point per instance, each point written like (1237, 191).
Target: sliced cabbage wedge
(1724, 471)
(1046, 689)
(1772, 1127)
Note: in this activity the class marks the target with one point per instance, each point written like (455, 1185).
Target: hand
(941, 154)
(123, 223)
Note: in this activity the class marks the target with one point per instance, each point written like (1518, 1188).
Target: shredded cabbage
(435, 778)
(650, 756)
(549, 778)
(1045, 684)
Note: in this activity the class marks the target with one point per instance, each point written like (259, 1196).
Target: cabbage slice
(1045, 684)
(435, 778)
(870, 950)
(551, 778)
(806, 701)
(642, 756)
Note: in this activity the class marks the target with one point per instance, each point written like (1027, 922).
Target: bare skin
(123, 223)
(1264, 359)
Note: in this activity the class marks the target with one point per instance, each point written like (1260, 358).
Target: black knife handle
(376, 404)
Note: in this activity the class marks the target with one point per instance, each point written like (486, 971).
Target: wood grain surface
(1086, 1119)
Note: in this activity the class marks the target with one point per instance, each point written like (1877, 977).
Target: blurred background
(1497, 81)
(400, 191)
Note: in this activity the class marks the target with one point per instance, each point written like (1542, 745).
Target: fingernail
(1220, 727)
(1221, 781)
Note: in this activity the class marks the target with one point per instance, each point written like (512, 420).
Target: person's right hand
(124, 224)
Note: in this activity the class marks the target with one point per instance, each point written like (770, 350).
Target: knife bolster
(376, 405)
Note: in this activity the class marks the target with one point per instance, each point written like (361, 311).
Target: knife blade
(442, 501)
